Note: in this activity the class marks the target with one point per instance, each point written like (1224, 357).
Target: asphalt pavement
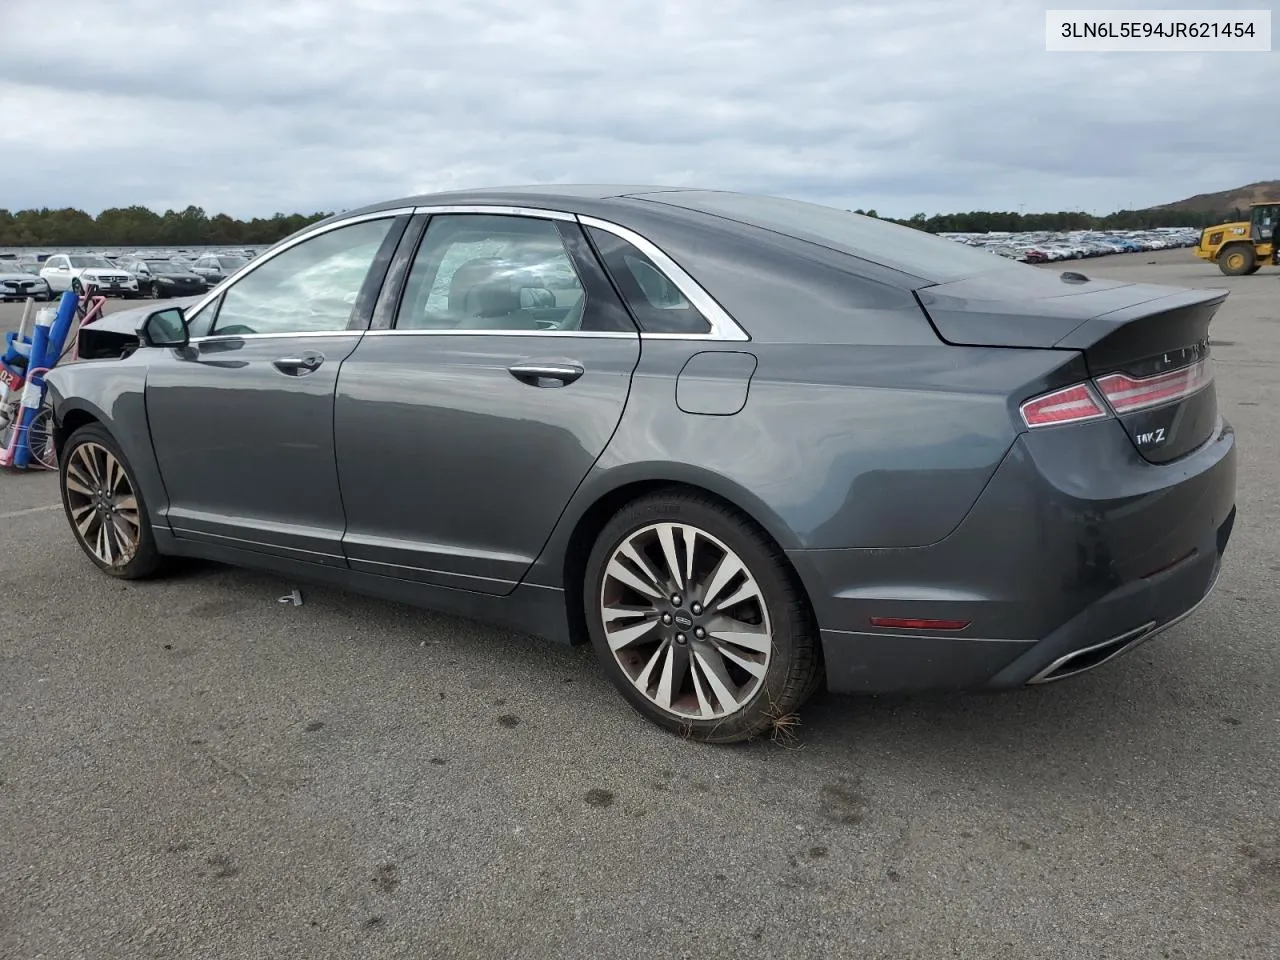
(190, 768)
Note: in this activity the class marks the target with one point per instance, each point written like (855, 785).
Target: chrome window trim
(464, 332)
(225, 337)
(269, 255)
(723, 326)
(496, 210)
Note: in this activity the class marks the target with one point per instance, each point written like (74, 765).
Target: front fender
(112, 393)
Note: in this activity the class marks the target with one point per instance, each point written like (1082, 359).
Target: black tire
(1236, 259)
(77, 287)
(1254, 269)
(146, 560)
(794, 671)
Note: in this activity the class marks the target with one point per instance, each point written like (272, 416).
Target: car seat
(483, 295)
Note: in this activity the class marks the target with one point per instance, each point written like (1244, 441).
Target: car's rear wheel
(698, 619)
(104, 506)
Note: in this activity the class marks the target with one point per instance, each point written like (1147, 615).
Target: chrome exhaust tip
(1087, 658)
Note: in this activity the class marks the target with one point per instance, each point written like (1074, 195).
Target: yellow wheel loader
(1243, 247)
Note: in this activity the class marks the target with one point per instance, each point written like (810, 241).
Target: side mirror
(166, 328)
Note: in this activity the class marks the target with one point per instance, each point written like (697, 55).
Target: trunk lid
(1146, 346)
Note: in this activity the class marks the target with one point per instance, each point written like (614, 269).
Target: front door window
(309, 288)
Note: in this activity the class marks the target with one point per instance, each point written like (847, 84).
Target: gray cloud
(918, 105)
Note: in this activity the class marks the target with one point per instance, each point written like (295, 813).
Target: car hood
(128, 321)
(104, 271)
(18, 275)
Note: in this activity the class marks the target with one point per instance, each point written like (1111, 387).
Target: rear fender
(604, 484)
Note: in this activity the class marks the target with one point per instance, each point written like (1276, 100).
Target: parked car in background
(744, 446)
(1044, 246)
(79, 272)
(18, 281)
(160, 277)
(215, 269)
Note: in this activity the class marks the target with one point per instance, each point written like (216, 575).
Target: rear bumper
(1057, 569)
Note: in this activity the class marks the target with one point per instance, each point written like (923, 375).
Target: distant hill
(1225, 201)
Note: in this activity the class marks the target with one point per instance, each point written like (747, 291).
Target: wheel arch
(71, 415)
(111, 394)
(572, 546)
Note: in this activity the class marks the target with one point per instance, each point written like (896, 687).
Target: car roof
(565, 196)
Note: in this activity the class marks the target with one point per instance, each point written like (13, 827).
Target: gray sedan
(745, 446)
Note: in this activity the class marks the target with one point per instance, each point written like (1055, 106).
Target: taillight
(1069, 405)
(1128, 395)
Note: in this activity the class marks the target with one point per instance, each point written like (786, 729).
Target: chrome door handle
(295, 366)
(536, 374)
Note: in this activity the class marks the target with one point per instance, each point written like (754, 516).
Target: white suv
(80, 271)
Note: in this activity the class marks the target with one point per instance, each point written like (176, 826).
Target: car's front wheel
(698, 619)
(104, 506)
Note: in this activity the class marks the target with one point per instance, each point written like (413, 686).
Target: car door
(140, 272)
(203, 268)
(462, 432)
(242, 418)
(57, 271)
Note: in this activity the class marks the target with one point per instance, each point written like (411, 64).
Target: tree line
(139, 226)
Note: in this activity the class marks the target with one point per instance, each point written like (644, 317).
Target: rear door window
(490, 272)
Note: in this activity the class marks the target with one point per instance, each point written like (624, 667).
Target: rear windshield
(912, 251)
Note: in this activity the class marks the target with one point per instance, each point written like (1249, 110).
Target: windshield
(90, 262)
(232, 263)
(907, 249)
(159, 266)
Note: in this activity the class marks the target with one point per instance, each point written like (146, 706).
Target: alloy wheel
(686, 621)
(102, 504)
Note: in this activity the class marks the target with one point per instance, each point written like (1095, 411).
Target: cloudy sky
(256, 106)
